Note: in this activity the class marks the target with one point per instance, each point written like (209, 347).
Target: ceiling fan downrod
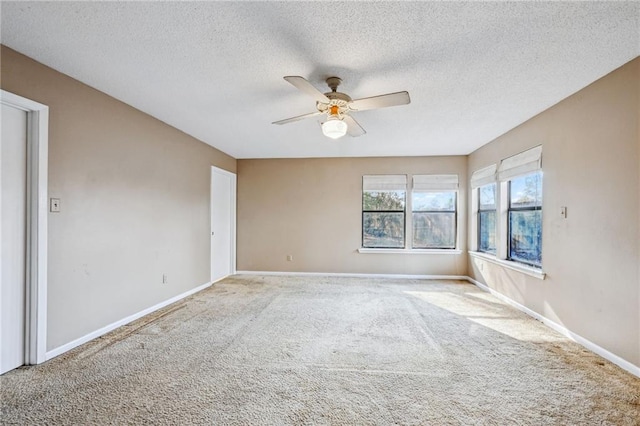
(333, 83)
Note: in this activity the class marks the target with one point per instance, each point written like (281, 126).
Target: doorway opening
(31, 126)
(223, 223)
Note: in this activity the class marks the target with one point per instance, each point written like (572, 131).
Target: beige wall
(591, 165)
(135, 203)
(135, 196)
(312, 209)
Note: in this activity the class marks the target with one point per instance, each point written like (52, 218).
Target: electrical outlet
(165, 280)
(289, 257)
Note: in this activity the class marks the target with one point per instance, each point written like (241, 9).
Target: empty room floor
(270, 350)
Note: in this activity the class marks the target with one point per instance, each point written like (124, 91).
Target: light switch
(54, 205)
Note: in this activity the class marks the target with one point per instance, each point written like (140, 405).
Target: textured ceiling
(214, 69)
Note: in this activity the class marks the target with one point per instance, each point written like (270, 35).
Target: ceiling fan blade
(353, 128)
(300, 117)
(302, 84)
(382, 101)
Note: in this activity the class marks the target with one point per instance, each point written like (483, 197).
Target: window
(383, 219)
(487, 207)
(485, 197)
(525, 219)
(507, 212)
(434, 211)
(383, 211)
(432, 202)
(434, 220)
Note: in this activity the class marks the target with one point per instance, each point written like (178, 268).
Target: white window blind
(526, 162)
(384, 182)
(435, 182)
(483, 176)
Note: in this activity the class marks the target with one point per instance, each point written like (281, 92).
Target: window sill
(408, 251)
(527, 270)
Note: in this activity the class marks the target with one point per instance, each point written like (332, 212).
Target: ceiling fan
(338, 106)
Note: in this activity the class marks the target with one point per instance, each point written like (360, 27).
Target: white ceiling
(214, 69)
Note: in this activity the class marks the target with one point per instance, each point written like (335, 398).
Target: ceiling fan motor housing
(338, 102)
(338, 96)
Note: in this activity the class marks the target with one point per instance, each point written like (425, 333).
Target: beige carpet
(334, 351)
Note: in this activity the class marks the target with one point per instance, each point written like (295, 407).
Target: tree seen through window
(383, 219)
(525, 219)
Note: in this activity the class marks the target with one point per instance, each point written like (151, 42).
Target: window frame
(501, 173)
(478, 212)
(420, 183)
(510, 209)
(404, 221)
(455, 218)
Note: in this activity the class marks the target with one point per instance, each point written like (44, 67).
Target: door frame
(232, 204)
(37, 210)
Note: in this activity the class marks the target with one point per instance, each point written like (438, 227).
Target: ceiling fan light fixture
(337, 106)
(334, 128)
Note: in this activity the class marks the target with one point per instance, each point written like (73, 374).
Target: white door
(13, 215)
(223, 223)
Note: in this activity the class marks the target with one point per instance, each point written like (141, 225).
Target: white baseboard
(104, 330)
(354, 275)
(620, 362)
(222, 278)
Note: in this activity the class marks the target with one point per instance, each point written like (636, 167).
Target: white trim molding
(626, 365)
(355, 275)
(37, 210)
(620, 362)
(222, 278)
(408, 251)
(232, 214)
(515, 266)
(104, 330)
